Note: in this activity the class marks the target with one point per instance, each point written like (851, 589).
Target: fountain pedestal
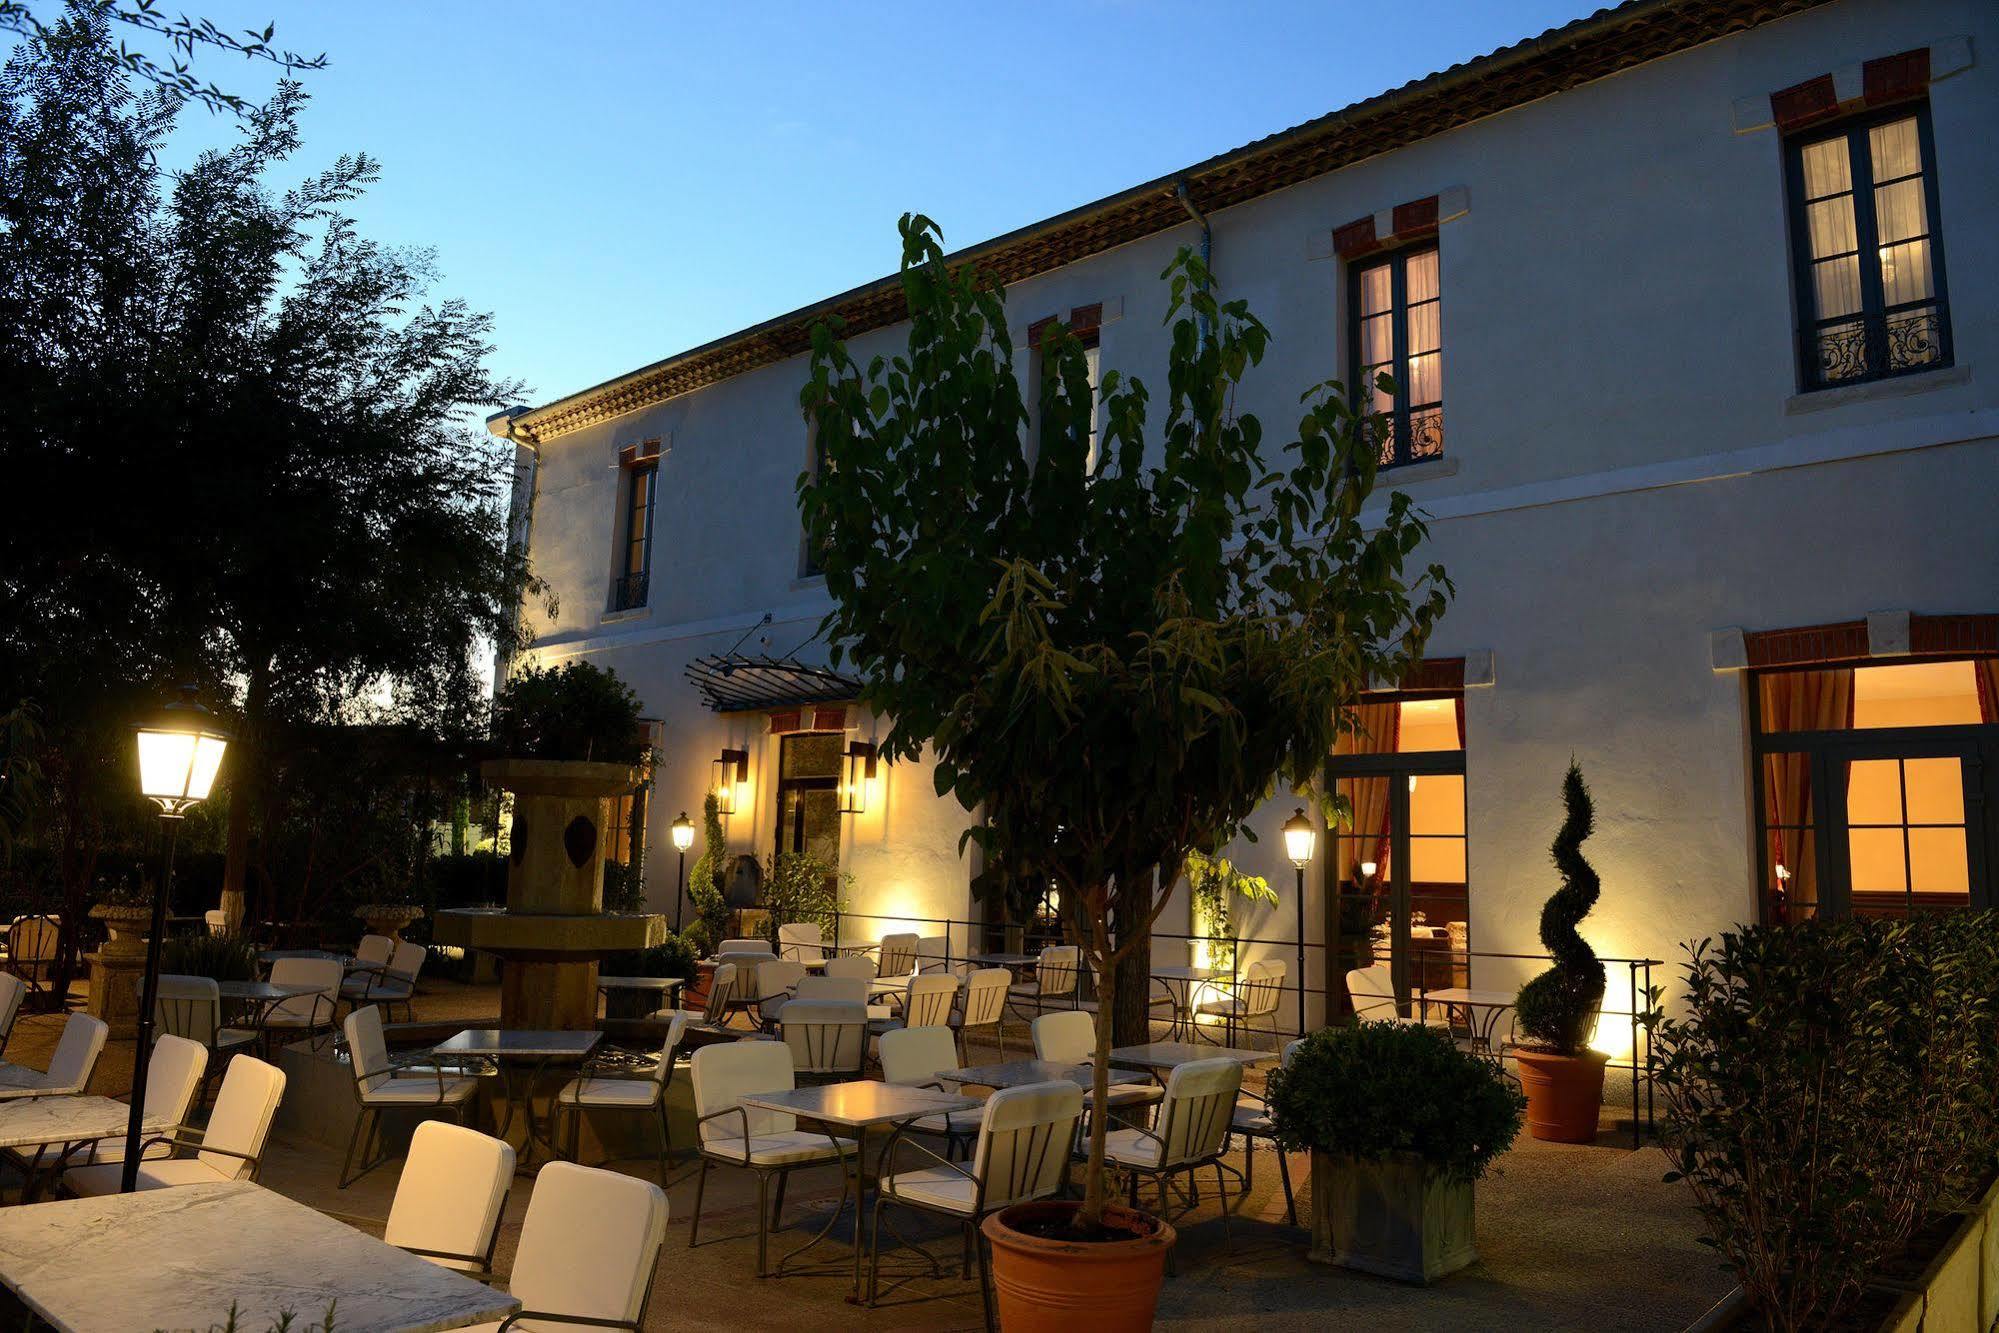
(554, 928)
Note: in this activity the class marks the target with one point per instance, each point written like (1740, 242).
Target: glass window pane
(1426, 377)
(1905, 273)
(1938, 863)
(1375, 290)
(1425, 327)
(1874, 792)
(1894, 150)
(1426, 725)
(1434, 861)
(1900, 211)
(1934, 790)
(1876, 860)
(1836, 286)
(1377, 343)
(813, 755)
(1419, 277)
(1830, 223)
(1436, 804)
(1917, 694)
(1828, 170)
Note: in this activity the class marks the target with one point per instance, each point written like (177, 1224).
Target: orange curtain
(1378, 729)
(1798, 701)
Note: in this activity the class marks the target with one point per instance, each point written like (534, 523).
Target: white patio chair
(12, 991)
(191, 1007)
(828, 1039)
(383, 1084)
(801, 941)
(590, 1245)
(926, 1002)
(1069, 1037)
(1251, 1119)
(983, 1005)
(597, 1089)
(746, 945)
(216, 921)
(230, 1148)
(1254, 997)
(306, 1014)
(742, 997)
(933, 953)
(1371, 989)
(1193, 1123)
(855, 966)
(777, 982)
(721, 989)
(851, 990)
(915, 1057)
(374, 951)
(74, 1059)
(33, 942)
(1054, 981)
(394, 984)
(895, 961)
(173, 1075)
(766, 1142)
(450, 1196)
(1022, 1153)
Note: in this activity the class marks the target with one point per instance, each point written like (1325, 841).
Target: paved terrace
(1570, 1237)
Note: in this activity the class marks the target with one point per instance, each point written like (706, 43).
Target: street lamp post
(1299, 839)
(180, 750)
(683, 838)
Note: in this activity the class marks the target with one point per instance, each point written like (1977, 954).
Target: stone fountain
(554, 929)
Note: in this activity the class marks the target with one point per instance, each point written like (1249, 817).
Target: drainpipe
(1186, 198)
(520, 522)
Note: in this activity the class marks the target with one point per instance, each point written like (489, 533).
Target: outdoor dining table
(182, 1258)
(1483, 1010)
(256, 999)
(59, 1122)
(858, 1106)
(1020, 1073)
(509, 1048)
(1163, 1057)
(1180, 983)
(665, 986)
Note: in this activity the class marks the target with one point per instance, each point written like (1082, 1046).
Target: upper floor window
(628, 589)
(1863, 199)
(1396, 328)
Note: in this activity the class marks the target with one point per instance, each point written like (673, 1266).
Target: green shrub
(1377, 1090)
(219, 957)
(674, 956)
(576, 711)
(704, 881)
(1828, 1090)
(798, 886)
(1557, 1009)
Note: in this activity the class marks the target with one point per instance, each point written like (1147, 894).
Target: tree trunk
(1095, 1183)
(246, 782)
(1130, 997)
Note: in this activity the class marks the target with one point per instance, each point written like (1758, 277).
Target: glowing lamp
(858, 775)
(732, 777)
(180, 751)
(1367, 869)
(683, 832)
(1299, 838)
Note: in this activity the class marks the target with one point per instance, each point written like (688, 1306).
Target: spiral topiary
(1557, 1009)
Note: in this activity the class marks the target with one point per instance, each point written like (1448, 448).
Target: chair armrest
(581, 1321)
(900, 1136)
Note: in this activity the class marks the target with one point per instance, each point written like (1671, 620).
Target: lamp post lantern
(683, 838)
(1299, 839)
(180, 752)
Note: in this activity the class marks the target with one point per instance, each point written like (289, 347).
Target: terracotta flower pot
(1046, 1284)
(1564, 1094)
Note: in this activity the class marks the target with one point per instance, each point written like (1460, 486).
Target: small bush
(1557, 1009)
(218, 957)
(576, 712)
(1378, 1090)
(673, 957)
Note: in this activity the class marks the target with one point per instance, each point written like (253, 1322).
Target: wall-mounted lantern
(732, 780)
(857, 777)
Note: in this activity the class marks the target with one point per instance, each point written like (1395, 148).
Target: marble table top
(21, 1081)
(1174, 972)
(1168, 1054)
(40, 1120)
(547, 1045)
(264, 990)
(860, 1103)
(178, 1258)
(1020, 1073)
(1004, 959)
(661, 984)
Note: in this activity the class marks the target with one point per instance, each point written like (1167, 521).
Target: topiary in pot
(1557, 1010)
(1400, 1123)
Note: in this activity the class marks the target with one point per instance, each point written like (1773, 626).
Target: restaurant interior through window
(1401, 903)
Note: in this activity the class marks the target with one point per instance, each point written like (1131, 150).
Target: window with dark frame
(1866, 248)
(1395, 327)
(1086, 326)
(628, 591)
(810, 566)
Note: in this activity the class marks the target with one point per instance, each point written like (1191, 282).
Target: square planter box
(1400, 1218)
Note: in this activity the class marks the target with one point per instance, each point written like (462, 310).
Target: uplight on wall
(857, 778)
(731, 781)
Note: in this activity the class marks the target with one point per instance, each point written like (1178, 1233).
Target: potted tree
(1400, 1124)
(704, 891)
(1557, 1010)
(1112, 647)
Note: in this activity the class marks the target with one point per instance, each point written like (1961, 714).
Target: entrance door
(808, 795)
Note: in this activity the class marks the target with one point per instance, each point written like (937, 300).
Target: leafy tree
(1558, 1008)
(237, 439)
(1112, 661)
(1213, 884)
(575, 711)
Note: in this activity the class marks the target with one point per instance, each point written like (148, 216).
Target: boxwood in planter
(1400, 1123)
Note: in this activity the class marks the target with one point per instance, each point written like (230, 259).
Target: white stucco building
(1698, 306)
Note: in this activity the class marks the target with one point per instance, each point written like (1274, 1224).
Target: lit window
(1397, 329)
(628, 591)
(1870, 262)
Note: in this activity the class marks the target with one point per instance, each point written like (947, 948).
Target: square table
(509, 1047)
(1483, 1010)
(31, 1126)
(1164, 1056)
(860, 1105)
(179, 1258)
(664, 987)
(1020, 1073)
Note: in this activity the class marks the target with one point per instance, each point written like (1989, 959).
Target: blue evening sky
(617, 182)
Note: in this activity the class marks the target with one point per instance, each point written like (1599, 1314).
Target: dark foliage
(574, 711)
(1558, 1009)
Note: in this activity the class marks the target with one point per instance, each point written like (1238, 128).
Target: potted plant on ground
(674, 957)
(1557, 1010)
(1113, 646)
(1400, 1124)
